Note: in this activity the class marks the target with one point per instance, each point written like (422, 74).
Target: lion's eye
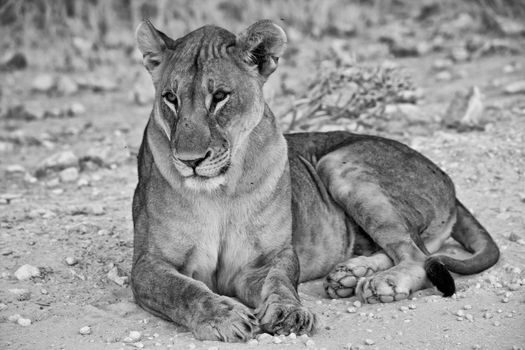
(219, 96)
(171, 98)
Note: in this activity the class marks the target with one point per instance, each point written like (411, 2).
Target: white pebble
(14, 318)
(309, 343)
(469, 317)
(357, 303)
(460, 313)
(27, 271)
(24, 321)
(369, 342)
(135, 336)
(403, 308)
(277, 340)
(351, 310)
(265, 338)
(138, 345)
(71, 260)
(253, 342)
(85, 330)
(412, 306)
(292, 336)
(467, 307)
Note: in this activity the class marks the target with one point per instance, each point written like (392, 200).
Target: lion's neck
(262, 160)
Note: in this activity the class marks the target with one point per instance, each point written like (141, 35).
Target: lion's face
(209, 94)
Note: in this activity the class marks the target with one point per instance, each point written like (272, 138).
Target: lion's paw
(342, 281)
(284, 317)
(227, 320)
(391, 285)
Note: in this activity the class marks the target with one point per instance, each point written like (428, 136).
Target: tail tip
(439, 276)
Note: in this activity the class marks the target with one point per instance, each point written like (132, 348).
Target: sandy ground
(88, 219)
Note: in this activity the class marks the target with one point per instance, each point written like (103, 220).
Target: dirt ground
(76, 227)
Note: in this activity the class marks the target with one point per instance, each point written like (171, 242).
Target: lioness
(230, 214)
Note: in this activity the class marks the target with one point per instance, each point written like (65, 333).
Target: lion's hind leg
(342, 281)
(394, 207)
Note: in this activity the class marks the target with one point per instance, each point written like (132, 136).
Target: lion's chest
(223, 244)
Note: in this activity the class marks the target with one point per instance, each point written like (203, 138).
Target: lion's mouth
(208, 173)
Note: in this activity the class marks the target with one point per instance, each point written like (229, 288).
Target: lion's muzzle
(214, 163)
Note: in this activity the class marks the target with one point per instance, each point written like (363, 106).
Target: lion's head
(209, 93)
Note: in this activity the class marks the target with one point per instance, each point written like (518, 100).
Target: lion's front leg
(159, 288)
(273, 290)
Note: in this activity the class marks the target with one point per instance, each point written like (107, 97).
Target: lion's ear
(261, 45)
(153, 45)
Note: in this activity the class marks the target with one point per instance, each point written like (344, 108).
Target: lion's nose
(194, 162)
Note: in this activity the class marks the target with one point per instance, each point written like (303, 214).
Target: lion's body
(227, 206)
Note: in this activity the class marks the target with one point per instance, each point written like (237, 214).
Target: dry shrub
(349, 96)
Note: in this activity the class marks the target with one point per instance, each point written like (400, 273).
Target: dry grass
(33, 23)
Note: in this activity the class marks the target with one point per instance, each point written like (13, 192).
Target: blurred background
(446, 77)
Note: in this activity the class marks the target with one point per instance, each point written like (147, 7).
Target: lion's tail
(475, 239)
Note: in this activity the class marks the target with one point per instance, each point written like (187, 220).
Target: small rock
(253, 342)
(513, 286)
(407, 111)
(292, 336)
(459, 54)
(134, 336)
(138, 345)
(497, 323)
(21, 293)
(517, 87)
(58, 161)
(6, 147)
(277, 340)
(66, 86)
(351, 310)
(264, 338)
(460, 313)
(20, 113)
(369, 342)
(43, 83)
(69, 175)
(192, 346)
(24, 322)
(15, 168)
(71, 261)
(442, 64)
(513, 237)
(505, 300)
(13, 61)
(412, 306)
(309, 343)
(86, 330)
(76, 109)
(357, 304)
(444, 76)
(467, 307)
(115, 275)
(465, 110)
(102, 84)
(3, 306)
(403, 308)
(26, 272)
(469, 317)
(14, 318)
